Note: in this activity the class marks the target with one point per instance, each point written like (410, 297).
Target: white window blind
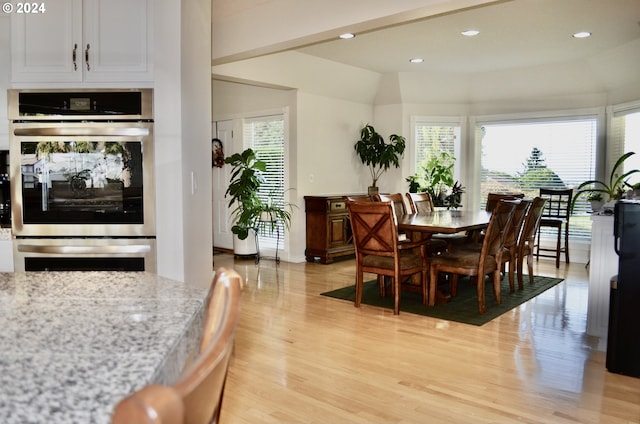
(526, 156)
(431, 138)
(625, 137)
(266, 136)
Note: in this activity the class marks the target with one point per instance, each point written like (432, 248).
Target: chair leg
(497, 279)
(453, 284)
(396, 294)
(537, 245)
(433, 285)
(558, 247)
(482, 308)
(512, 270)
(359, 284)
(566, 243)
(381, 286)
(423, 283)
(520, 267)
(530, 267)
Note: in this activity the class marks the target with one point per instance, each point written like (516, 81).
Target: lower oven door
(83, 179)
(84, 254)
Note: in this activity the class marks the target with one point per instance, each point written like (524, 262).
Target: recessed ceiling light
(347, 36)
(470, 33)
(582, 34)
(416, 60)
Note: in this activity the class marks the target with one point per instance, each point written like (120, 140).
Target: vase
(373, 190)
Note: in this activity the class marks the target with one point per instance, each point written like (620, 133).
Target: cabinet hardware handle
(86, 57)
(73, 55)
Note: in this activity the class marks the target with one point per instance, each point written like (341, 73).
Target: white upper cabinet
(92, 41)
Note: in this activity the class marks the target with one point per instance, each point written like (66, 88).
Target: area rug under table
(462, 308)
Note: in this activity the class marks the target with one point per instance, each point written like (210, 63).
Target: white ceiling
(513, 35)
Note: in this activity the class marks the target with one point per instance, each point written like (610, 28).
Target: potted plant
(595, 200)
(612, 189)
(436, 178)
(246, 179)
(272, 212)
(377, 154)
(454, 199)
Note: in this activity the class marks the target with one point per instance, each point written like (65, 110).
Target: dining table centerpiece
(436, 177)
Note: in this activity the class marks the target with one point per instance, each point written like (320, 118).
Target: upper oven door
(82, 179)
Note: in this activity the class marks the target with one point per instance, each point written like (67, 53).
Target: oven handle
(84, 250)
(82, 131)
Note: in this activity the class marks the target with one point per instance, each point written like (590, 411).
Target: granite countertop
(5, 233)
(74, 343)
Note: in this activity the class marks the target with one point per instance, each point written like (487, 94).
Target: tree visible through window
(524, 157)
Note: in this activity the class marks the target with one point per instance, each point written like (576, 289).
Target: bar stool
(557, 211)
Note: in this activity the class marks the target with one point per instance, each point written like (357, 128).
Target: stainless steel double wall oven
(82, 179)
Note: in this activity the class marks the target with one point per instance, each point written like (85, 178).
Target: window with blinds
(266, 136)
(625, 137)
(432, 138)
(522, 157)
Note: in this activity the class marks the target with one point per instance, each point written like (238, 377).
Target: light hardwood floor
(305, 358)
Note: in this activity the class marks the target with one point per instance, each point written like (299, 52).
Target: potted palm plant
(377, 154)
(246, 179)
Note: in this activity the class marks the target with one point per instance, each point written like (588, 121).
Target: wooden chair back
(527, 239)
(374, 228)
(532, 222)
(397, 199)
(196, 397)
(513, 234)
(420, 202)
(500, 222)
(494, 198)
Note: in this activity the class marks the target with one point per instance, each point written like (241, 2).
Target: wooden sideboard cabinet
(328, 228)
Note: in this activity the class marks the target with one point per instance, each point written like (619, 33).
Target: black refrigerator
(623, 342)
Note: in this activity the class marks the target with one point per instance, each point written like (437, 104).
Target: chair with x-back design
(378, 251)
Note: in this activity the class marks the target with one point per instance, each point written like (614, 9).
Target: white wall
(323, 131)
(183, 139)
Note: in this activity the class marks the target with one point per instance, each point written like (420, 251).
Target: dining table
(446, 221)
(449, 221)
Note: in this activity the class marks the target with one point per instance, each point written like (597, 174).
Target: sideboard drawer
(337, 206)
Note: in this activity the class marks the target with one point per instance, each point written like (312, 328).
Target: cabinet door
(117, 41)
(43, 43)
(338, 230)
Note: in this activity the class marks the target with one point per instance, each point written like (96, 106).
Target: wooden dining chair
(476, 263)
(526, 242)
(556, 214)
(512, 237)
(420, 202)
(378, 251)
(196, 397)
(494, 198)
(399, 206)
(423, 203)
